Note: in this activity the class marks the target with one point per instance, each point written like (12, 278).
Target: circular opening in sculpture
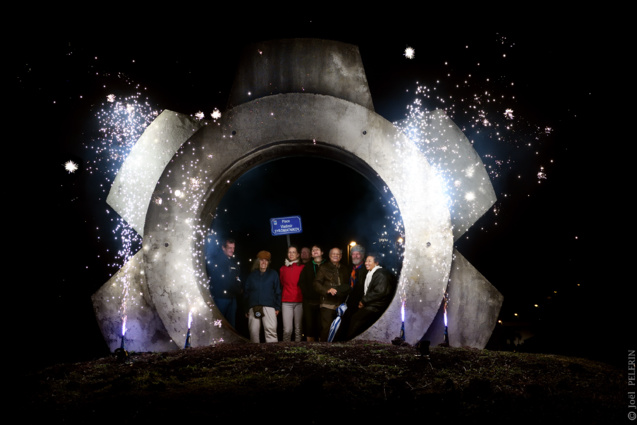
(339, 203)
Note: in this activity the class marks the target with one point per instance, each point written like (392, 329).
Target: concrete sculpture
(292, 97)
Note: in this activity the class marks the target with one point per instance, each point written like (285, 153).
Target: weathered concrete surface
(301, 66)
(282, 125)
(436, 332)
(131, 191)
(130, 195)
(473, 307)
(126, 293)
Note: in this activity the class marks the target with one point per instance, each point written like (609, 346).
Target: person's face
(293, 254)
(263, 264)
(305, 254)
(370, 263)
(228, 249)
(335, 255)
(316, 252)
(357, 257)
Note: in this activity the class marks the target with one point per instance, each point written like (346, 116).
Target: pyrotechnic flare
(402, 327)
(446, 326)
(188, 334)
(121, 352)
(123, 332)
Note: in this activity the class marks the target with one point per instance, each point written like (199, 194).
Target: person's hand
(360, 304)
(331, 291)
(276, 312)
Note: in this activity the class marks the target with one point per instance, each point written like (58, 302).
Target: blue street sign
(286, 225)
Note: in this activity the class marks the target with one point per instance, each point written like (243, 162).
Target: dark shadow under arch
(339, 198)
(345, 185)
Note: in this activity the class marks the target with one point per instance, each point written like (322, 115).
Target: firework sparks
(509, 113)
(484, 111)
(70, 166)
(121, 122)
(410, 53)
(541, 175)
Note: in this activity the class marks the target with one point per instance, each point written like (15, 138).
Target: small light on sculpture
(121, 352)
(187, 345)
(400, 340)
(446, 343)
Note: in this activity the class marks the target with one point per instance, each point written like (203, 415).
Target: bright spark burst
(70, 166)
(541, 175)
(410, 53)
(484, 110)
(121, 121)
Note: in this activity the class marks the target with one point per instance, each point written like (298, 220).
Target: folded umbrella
(337, 322)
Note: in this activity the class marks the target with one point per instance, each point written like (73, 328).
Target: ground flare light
(446, 300)
(121, 353)
(187, 344)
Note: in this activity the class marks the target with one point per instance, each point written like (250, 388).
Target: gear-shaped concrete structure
(293, 97)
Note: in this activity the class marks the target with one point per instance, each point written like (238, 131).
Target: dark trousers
(361, 320)
(327, 317)
(311, 319)
(227, 307)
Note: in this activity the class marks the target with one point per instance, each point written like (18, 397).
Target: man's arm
(318, 282)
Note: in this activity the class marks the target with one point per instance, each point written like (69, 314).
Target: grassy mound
(322, 383)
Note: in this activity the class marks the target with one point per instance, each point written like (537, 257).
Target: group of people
(307, 291)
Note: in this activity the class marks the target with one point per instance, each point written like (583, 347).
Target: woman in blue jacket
(263, 299)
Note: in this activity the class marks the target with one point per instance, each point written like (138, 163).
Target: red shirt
(290, 283)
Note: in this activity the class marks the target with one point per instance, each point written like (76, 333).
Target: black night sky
(551, 239)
